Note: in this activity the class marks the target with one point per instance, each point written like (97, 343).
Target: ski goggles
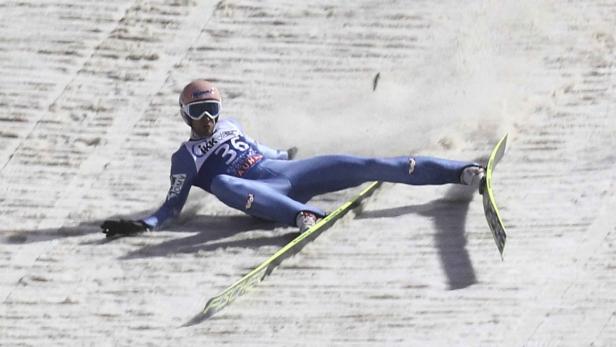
(196, 110)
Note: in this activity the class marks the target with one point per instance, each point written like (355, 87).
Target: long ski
(251, 279)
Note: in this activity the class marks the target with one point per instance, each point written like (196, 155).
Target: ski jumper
(262, 182)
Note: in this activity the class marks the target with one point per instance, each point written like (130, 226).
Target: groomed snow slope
(89, 119)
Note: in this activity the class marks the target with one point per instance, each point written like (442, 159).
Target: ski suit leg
(266, 199)
(323, 174)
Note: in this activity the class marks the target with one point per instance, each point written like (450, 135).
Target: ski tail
(251, 279)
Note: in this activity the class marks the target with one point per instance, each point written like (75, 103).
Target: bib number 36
(229, 152)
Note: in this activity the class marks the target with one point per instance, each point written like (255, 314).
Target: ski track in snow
(89, 121)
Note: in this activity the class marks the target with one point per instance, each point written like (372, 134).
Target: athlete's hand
(123, 227)
(292, 152)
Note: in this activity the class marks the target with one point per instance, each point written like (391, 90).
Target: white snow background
(89, 120)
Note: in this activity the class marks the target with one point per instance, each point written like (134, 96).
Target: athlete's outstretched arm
(182, 174)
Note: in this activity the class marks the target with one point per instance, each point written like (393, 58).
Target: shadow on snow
(211, 232)
(206, 229)
(449, 217)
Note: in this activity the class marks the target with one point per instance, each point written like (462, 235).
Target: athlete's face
(203, 127)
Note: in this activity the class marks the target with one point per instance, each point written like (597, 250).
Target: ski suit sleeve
(270, 153)
(267, 152)
(183, 172)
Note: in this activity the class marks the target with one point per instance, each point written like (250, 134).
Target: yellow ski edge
(227, 296)
(495, 156)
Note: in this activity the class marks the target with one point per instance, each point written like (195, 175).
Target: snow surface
(88, 96)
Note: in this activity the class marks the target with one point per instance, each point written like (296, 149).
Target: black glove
(123, 227)
(292, 152)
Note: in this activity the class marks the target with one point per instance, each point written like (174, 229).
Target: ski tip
(195, 320)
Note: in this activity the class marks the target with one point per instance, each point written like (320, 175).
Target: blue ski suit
(262, 182)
